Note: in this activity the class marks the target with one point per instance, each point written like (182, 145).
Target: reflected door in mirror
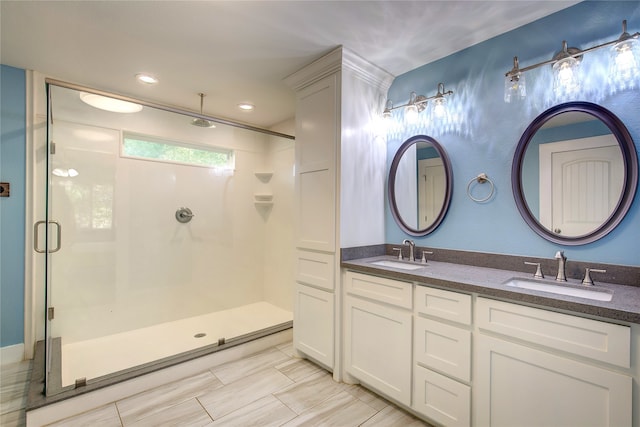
(588, 178)
(431, 188)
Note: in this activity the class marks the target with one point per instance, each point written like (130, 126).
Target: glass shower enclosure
(161, 235)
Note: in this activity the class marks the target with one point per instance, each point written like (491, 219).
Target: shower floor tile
(105, 355)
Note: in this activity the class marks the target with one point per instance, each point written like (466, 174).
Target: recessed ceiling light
(109, 104)
(246, 107)
(146, 78)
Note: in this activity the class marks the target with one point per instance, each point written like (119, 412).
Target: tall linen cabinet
(340, 165)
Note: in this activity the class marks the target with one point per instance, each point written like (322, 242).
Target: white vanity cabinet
(317, 130)
(542, 368)
(332, 131)
(442, 356)
(377, 333)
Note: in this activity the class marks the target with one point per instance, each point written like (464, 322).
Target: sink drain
(200, 335)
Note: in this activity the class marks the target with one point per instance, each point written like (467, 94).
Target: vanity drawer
(446, 305)
(442, 347)
(442, 399)
(394, 292)
(590, 338)
(315, 269)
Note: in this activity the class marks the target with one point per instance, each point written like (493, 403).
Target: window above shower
(146, 147)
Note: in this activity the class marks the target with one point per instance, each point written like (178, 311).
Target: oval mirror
(575, 173)
(420, 185)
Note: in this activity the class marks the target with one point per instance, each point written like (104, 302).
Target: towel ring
(480, 179)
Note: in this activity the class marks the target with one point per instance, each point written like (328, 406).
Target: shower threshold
(260, 320)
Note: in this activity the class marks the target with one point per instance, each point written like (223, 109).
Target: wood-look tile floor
(270, 388)
(14, 383)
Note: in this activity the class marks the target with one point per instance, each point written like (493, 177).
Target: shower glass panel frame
(120, 261)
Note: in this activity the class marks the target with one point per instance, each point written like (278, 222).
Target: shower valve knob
(184, 215)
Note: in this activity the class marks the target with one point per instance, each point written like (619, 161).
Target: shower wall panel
(126, 262)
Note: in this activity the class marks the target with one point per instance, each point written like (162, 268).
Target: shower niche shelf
(263, 199)
(264, 176)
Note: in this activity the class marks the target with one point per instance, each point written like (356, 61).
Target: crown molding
(340, 59)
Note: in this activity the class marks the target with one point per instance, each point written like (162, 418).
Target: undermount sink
(560, 289)
(397, 264)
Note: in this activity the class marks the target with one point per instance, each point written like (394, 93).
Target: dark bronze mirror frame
(392, 182)
(630, 161)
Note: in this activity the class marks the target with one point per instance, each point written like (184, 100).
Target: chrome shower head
(203, 123)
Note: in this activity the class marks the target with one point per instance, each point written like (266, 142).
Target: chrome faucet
(412, 245)
(562, 260)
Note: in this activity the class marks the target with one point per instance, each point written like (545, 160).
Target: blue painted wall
(12, 209)
(482, 132)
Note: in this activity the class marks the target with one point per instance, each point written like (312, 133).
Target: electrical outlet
(5, 188)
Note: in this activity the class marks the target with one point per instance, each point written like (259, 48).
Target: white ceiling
(239, 51)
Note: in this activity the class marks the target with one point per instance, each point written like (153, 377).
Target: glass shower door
(81, 256)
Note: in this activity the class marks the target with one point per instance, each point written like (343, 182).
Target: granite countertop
(624, 306)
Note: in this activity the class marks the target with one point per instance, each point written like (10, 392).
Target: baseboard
(11, 354)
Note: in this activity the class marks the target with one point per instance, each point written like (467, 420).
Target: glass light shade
(439, 110)
(565, 79)
(625, 63)
(109, 104)
(515, 88)
(411, 113)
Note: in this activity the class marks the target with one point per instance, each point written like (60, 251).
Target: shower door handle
(36, 228)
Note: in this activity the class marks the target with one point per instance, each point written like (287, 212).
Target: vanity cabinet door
(378, 347)
(517, 385)
(313, 324)
(317, 130)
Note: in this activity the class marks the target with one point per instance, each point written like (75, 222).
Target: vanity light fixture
(625, 66)
(514, 84)
(565, 70)
(386, 114)
(418, 103)
(440, 103)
